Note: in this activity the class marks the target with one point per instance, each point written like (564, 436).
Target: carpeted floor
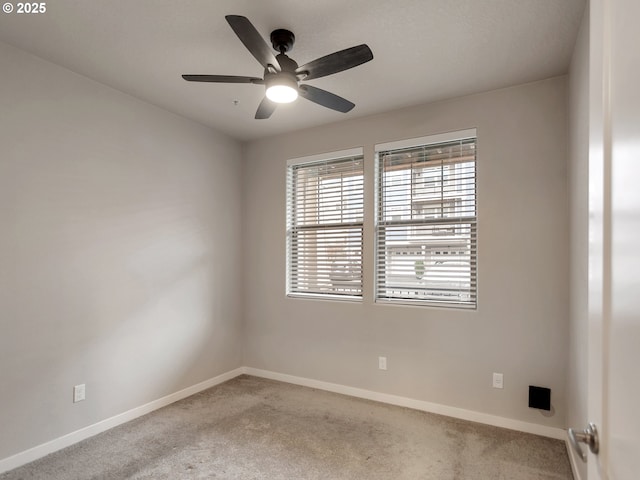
(251, 428)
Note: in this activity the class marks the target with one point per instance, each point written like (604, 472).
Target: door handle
(589, 436)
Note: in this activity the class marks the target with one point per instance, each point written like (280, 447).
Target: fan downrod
(282, 40)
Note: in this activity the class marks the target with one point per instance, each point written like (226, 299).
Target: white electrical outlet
(78, 393)
(382, 363)
(498, 380)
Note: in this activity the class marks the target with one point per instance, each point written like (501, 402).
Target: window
(426, 221)
(325, 201)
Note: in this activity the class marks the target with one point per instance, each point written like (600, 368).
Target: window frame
(382, 226)
(353, 154)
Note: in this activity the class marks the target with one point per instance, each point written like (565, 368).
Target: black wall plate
(540, 397)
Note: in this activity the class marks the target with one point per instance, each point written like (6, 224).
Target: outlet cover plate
(382, 363)
(79, 393)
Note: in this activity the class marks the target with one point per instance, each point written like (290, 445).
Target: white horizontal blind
(325, 201)
(426, 224)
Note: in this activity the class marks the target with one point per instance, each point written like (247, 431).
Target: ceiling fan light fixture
(282, 89)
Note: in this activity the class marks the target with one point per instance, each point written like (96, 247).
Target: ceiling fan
(282, 75)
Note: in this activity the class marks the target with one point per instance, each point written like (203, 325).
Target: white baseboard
(40, 451)
(573, 460)
(59, 443)
(448, 411)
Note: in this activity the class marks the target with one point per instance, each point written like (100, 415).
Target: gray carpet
(251, 428)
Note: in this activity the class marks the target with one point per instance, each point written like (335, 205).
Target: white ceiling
(424, 50)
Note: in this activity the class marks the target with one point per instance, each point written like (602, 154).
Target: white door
(614, 238)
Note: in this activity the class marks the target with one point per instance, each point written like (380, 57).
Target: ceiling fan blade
(336, 62)
(326, 99)
(265, 109)
(248, 35)
(222, 79)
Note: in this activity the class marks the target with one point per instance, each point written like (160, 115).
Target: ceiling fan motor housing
(287, 64)
(287, 74)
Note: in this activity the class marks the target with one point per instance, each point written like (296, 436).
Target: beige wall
(118, 254)
(577, 394)
(439, 355)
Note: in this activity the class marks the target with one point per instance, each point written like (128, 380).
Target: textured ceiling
(424, 50)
